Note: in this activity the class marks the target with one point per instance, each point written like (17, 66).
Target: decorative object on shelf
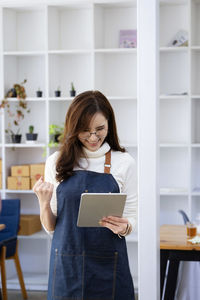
(56, 133)
(180, 39)
(72, 91)
(31, 137)
(15, 138)
(21, 107)
(58, 92)
(39, 93)
(128, 38)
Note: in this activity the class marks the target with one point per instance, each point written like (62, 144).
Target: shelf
(175, 97)
(173, 145)
(38, 235)
(61, 98)
(19, 191)
(28, 99)
(38, 145)
(195, 97)
(173, 191)
(71, 51)
(23, 53)
(174, 49)
(33, 281)
(126, 98)
(51, 46)
(117, 50)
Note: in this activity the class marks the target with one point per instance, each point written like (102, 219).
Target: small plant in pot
(56, 134)
(39, 93)
(15, 110)
(58, 92)
(31, 137)
(72, 91)
(15, 137)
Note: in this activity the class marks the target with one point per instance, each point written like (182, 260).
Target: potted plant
(56, 134)
(17, 114)
(72, 91)
(31, 136)
(15, 137)
(58, 92)
(39, 93)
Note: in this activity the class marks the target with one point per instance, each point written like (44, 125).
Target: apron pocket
(100, 275)
(67, 277)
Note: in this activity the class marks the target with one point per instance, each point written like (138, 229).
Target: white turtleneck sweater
(123, 169)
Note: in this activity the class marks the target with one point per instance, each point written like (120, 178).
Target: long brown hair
(78, 117)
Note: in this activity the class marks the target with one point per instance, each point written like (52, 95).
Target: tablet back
(95, 206)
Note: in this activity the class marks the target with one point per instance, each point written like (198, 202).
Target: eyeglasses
(100, 133)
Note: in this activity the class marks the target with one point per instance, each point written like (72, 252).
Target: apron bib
(87, 263)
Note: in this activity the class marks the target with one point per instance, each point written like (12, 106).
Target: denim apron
(87, 263)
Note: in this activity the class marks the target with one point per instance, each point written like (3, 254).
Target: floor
(16, 295)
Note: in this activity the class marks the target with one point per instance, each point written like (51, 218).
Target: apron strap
(107, 164)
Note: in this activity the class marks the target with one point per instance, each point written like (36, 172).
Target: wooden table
(174, 246)
(2, 226)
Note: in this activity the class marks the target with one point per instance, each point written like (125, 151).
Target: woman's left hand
(116, 224)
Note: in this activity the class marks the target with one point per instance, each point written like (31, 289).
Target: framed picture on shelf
(128, 38)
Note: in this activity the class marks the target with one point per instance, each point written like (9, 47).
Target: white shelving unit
(52, 45)
(179, 111)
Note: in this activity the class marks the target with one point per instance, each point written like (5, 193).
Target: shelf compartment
(67, 68)
(174, 75)
(29, 204)
(35, 118)
(24, 29)
(124, 66)
(18, 156)
(110, 19)
(69, 27)
(169, 206)
(174, 121)
(195, 23)
(173, 17)
(126, 119)
(195, 170)
(18, 68)
(195, 72)
(61, 110)
(195, 134)
(174, 168)
(195, 207)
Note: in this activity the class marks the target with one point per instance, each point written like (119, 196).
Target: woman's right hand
(44, 191)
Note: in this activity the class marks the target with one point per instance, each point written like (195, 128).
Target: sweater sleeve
(130, 188)
(50, 173)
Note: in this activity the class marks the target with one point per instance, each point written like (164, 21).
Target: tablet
(94, 206)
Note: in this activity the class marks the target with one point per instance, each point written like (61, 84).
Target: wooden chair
(10, 216)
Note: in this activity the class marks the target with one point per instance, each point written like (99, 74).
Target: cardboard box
(0, 165)
(33, 181)
(0, 181)
(18, 183)
(29, 224)
(23, 171)
(36, 171)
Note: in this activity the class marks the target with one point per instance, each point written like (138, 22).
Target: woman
(88, 263)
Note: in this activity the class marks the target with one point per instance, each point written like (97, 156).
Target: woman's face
(93, 137)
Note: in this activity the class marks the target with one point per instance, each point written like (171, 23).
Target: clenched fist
(44, 191)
